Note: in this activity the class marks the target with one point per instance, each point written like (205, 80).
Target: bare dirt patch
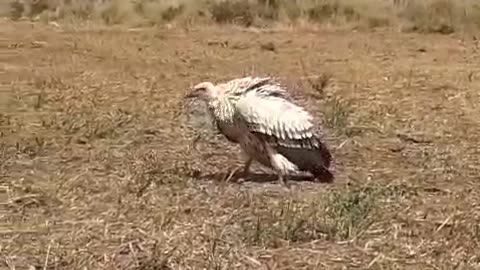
(96, 172)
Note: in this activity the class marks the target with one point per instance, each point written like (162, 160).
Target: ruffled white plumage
(274, 116)
(257, 113)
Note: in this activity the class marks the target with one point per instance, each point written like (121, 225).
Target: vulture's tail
(316, 160)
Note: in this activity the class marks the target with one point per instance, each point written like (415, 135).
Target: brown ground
(95, 163)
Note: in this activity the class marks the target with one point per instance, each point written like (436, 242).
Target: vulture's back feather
(261, 85)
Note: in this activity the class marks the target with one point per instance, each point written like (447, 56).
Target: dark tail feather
(316, 161)
(325, 153)
(322, 174)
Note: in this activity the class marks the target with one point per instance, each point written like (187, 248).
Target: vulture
(258, 114)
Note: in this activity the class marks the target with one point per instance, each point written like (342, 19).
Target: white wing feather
(241, 84)
(265, 85)
(274, 116)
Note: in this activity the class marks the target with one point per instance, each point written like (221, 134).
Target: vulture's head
(205, 91)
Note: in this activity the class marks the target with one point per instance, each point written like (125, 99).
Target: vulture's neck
(222, 109)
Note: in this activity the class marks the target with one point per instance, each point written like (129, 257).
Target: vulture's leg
(244, 171)
(282, 166)
(282, 180)
(246, 167)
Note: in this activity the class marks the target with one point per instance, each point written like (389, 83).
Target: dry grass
(97, 172)
(439, 16)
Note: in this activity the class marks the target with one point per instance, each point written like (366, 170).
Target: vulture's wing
(275, 119)
(288, 128)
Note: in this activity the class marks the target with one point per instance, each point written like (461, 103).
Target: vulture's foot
(231, 173)
(282, 180)
(238, 174)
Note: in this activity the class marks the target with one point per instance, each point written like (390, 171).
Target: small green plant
(330, 10)
(292, 10)
(347, 212)
(118, 11)
(172, 12)
(233, 12)
(291, 221)
(322, 12)
(16, 10)
(336, 114)
(440, 16)
(340, 215)
(374, 22)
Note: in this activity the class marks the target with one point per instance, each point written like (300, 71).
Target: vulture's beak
(191, 94)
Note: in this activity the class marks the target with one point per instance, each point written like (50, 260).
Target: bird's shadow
(257, 177)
